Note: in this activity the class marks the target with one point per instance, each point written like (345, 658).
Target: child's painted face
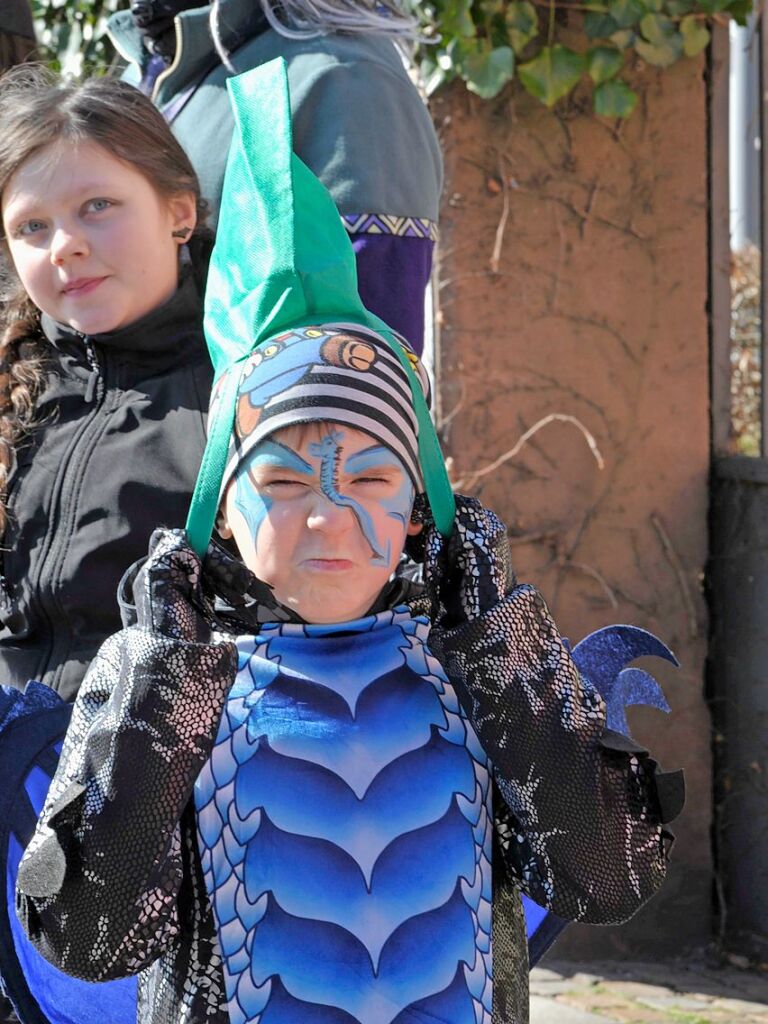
(321, 514)
(91, 239)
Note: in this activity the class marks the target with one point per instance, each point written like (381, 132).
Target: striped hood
(339, 372)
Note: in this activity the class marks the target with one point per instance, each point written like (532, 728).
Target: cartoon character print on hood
(292, 361)
(339, 373)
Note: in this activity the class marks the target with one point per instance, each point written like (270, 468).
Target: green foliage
(626, 13)
(488, 43)
(661, 43)
(72, 33)
(522, 24)
(488, 68)
(695, 36)
(614, 99)
(603, 62)
(552, 73)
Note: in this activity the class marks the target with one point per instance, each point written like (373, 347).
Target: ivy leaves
(660, 42)
(553, 73)
(487, 43)
(615, 99)
(695, 36)
(488, 69)
(522, 24)
(603, 63)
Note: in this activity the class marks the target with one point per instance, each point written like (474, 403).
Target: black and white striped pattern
(337, 372)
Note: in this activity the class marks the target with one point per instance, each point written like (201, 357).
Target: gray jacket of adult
(358, 121)
(16, 18)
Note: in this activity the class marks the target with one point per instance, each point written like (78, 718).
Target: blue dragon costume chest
(344, 823)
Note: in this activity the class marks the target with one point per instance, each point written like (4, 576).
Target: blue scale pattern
(344, 823)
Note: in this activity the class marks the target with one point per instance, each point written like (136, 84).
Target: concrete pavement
(678, 992)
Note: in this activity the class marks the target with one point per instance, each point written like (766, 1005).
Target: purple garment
(153, 68)
(392, 274)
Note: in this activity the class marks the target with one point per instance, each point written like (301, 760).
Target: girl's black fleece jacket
(119, 437)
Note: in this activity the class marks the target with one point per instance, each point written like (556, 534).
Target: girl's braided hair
(38, 109)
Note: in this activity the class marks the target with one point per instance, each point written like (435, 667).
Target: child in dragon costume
(298, 787)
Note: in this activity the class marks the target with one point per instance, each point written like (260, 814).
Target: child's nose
(328, 513)
(66, 243)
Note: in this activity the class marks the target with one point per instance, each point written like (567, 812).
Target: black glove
(169, 598)
(470, 572)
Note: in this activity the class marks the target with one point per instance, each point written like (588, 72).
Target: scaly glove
(169, 598)
(469, 573)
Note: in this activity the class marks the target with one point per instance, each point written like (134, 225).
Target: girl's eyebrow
(28, 203)
(378, 456)
(19, 210)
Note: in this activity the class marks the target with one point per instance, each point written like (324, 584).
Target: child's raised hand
(169, 599)
(471, 571)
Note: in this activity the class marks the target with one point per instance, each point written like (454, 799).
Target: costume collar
(174, 325)
(241, 602)
(240, 20)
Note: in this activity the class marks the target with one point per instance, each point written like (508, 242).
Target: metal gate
(738, 570)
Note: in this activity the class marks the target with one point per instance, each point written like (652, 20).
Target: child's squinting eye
(370, 480)
(284, 483)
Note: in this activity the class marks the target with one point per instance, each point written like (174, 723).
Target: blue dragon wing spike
(602, 658)
(32, 727)
(602, 655)
(633, 686)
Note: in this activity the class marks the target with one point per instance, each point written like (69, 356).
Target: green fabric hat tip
(282, 259)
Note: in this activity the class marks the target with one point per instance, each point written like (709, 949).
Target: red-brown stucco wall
(598, 312)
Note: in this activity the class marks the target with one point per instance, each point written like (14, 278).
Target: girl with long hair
(103, 368)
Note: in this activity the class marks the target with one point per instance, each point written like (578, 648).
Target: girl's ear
(183, 209)
(414, 528)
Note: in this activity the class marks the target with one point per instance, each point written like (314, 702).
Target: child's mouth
(82, 286)
(327, 564)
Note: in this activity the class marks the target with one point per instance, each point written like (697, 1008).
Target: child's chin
(327, 617)
(332, 608)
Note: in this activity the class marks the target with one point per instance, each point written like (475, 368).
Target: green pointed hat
(282, 260)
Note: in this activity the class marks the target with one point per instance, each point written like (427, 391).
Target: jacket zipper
(94, 376)
(66, 492)
(6, 603)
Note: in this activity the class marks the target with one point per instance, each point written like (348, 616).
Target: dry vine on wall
(572, 368)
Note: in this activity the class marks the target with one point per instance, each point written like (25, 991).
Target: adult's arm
(362, 127)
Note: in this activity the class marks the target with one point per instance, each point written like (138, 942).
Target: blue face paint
(252, 505)
(328, 450)
(399, 505)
